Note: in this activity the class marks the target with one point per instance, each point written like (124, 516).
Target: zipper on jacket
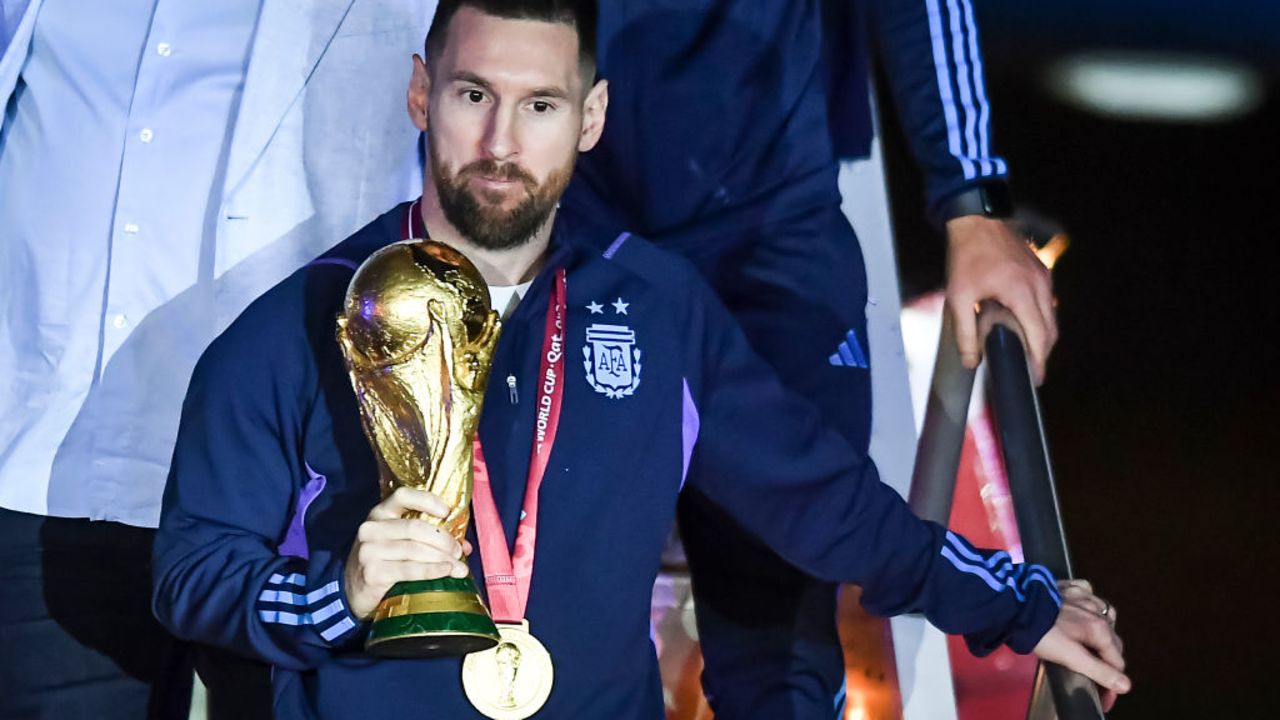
(511, 389)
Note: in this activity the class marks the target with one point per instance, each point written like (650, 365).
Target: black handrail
(1016, 411)
(1026, 456)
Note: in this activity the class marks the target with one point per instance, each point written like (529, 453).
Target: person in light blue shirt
(162, 163)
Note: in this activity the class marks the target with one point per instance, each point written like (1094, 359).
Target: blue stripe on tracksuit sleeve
(324, 609)
(935, 68)
(218, 577)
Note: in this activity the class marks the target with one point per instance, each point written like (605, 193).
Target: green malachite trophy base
(431, 618)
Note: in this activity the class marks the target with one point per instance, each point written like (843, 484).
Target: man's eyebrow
(548, 91)
(557, 93)
(469, 77)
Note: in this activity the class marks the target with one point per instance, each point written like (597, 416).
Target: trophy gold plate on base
(429, 618)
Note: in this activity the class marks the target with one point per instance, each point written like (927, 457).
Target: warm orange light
(871, 682)
(1053, 249)
(855, 707)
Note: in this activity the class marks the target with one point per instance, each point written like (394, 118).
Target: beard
(479, 216)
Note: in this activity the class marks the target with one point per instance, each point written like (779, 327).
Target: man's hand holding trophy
(418, 337)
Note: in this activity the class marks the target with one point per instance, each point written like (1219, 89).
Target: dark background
(1162, 393)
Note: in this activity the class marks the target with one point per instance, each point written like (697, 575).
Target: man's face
(505, 110)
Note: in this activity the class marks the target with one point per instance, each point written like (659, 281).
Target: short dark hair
(580, 14)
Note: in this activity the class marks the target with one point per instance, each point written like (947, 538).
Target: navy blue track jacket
(718, 113)
(272, 475)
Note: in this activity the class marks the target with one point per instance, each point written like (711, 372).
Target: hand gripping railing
(1026, 457)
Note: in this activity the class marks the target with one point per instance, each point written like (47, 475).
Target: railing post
(946, 414)
(933, 484)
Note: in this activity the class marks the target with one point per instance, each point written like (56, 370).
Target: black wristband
(989, 199)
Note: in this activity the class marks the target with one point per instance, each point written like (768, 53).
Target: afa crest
(612, 360)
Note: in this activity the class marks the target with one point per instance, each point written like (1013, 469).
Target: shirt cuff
(1037, 611)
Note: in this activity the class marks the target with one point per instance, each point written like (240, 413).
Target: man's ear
(593, 111)
(419, 92)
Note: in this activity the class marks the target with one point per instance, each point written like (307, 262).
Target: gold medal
(511, 681)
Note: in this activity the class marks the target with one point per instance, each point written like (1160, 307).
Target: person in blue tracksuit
(274, 541)
(726, 121)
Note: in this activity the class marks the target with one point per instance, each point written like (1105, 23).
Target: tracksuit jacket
(729, 115)
(272, 475)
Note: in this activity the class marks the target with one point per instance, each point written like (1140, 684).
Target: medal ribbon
(507, 574)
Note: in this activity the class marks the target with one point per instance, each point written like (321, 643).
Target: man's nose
(500, 135)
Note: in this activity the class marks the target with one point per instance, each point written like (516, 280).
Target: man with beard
(274, 541)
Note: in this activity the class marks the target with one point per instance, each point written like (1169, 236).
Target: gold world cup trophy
(418, 336)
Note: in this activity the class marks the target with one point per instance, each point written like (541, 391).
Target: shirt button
(119, 322)
(164, 49)
(131, 228)
(146, 135)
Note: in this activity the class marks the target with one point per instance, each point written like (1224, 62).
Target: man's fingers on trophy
(404, 550)
(420, 500)
(426, 533)
(448, 568)
(466, 548)
(417, 532)
(389, 508)
(407, 499)
(451, 568)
